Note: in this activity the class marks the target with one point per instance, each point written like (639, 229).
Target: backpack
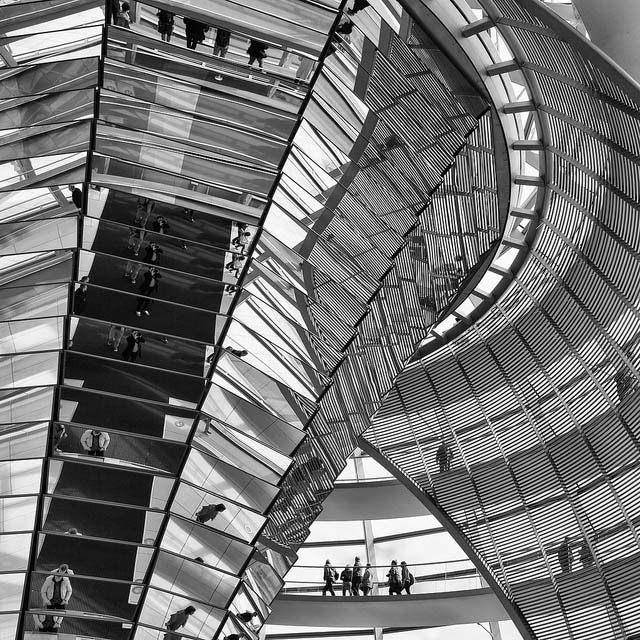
(335, 574)
(411, 579)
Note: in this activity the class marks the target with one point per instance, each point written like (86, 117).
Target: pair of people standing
(399, 578)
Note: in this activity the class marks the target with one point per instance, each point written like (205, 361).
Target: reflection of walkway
(371, 501)
(432, 609)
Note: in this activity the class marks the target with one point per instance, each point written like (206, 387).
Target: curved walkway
(371, 501)
(420, 610)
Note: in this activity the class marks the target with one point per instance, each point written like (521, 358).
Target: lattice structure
(538, 400)
(229, 233)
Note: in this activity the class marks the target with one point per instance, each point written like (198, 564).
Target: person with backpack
(406, 578)
(356, 578)
(346, 576)
(329, 575)
(367, 580)
(394, 578)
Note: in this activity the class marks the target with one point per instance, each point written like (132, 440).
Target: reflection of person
(209, 512)
(81, 293)
(76, 195)
(565, 557)
(136, 235)
(59, 434)
(165, 24)
(160, 225)
(235, 264)
(115, 336)
(133, 350)
(124, 16)
(586, 557)
(149, 288)
(194, 31)
(247, 616)
(56, 592)
(444, 455)
(176, 621)
(64, 570)
(241, 240)
(304, 69)
(112, 10)
(358, 5)
(329, 574)
(257, 52)
(144, 207)
(95, 442)
(221, 45)
(238, 353)
(47, 624)
(73, 532)
(152, 254)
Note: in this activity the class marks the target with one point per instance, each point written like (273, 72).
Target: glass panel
(26, 440)
(216, 476)
(15, 552)
(193, 579)
(11, 585)
(194, 541)
(116, 522)
(159, 606)
(234, 520)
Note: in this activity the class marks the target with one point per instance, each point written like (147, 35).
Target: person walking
(565, 556)
(394, 579)
(209, 512)
(177, 620)
(329, 575)
(133, 350)
(367, 580)
(257, 52)
(346, 576)
(356, 578)
(444, 455)
(148, 290)
(160, 225)
(406, 578)
(95, 442)
(221, 44)
(195, 32)
(165, 24)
